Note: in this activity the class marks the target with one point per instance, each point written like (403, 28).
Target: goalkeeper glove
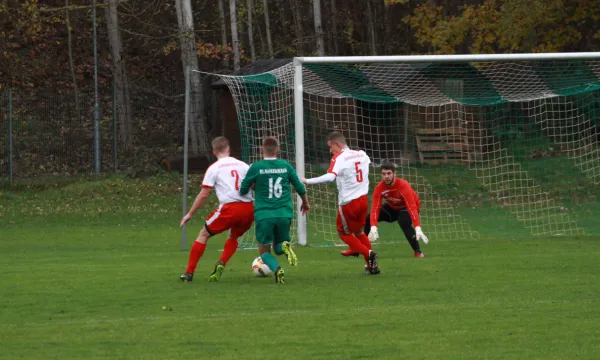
(373, 234)
(420, 235)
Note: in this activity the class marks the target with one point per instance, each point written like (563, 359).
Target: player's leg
(196, 253)
(360, 211)
(265, 236)
(386, 214)
(348, 222)
(405, 223)
(240, 222)
(282, 243)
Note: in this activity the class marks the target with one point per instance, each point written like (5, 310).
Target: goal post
(501, 145)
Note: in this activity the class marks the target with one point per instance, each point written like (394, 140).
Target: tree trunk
(334, 29)
(318, 27)
(372, 44)
(250, 33)
(234, 35)
(189, 58)
(121, 96)
(298, 28)
(268, 28)
(223, 32)
(71, 64)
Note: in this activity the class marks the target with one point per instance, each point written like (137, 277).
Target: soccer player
(274, 210)
(402, 205)
(350, 168)
(235, 211)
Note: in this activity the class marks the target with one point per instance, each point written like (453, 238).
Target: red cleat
(419, 254)
(349, 252)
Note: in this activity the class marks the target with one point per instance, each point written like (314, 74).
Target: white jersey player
(235, 212)
(350, 169)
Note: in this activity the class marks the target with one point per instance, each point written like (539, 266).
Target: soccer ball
(259, 268)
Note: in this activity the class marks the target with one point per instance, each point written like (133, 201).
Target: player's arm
(300, 189)
(375, 209)
(330, 176)
(249, 180)
(207, 184)
(410, 201)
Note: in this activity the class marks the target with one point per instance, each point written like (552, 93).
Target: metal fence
(50, 132)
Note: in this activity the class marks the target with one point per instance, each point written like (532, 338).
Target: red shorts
(351, 217)
(236, 217)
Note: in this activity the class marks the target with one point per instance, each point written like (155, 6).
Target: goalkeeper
(402, 205)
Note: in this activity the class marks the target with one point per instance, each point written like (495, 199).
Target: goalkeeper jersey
(272, 193)
(399, 196)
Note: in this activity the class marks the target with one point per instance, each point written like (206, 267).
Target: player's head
(270, 147)
(220, 146)
(388, 172)
(336, 142)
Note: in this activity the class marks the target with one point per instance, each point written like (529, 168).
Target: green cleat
(289, 253)
(279, 276)
(217, 272)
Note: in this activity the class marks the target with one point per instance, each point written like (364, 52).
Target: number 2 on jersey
(359, 172)
(236, 175)
(275, 189)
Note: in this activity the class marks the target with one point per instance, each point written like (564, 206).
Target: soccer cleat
(289, 253)
(217, 272)
(279, 276)
(370, 271)
(419, 254)
(372, 259)
(349, 252)
(187, 277)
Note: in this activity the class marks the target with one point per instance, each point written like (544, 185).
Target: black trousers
(389, 215)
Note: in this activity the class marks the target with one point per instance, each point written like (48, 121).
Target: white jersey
(351, 168)
(225, 176)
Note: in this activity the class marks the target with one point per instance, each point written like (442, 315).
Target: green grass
(89, 281)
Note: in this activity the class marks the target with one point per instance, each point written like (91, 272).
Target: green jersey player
(273, 207)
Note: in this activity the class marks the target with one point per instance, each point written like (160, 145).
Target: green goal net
(495, 149)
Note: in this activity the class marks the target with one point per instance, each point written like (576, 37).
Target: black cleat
(187, 277)
(371, 271)
(372, 259)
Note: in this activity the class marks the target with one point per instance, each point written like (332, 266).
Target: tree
(223, 30)
(250, 33)
(334, 28)
(371, 20)
(121, 84)
(234, 34)
(318, 27)
(268, 27)
(189, 59)
(71, 63)
(297, 15)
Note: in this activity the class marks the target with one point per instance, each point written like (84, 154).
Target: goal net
(493, 148)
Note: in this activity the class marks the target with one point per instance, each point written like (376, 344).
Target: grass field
(88, 266)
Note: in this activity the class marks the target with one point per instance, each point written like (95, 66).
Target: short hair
(337, 136)
(220, 144)
(270, 145)
(388, 166)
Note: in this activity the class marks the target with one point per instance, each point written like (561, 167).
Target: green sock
(270, 260)
(278, 248)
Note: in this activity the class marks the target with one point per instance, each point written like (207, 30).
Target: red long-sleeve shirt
(399, 196)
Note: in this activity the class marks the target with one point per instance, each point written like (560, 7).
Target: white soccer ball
(259, 268)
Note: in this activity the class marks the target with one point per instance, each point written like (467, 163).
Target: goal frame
(298, 63)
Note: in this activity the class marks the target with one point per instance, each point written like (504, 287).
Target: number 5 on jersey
(359, 172)
(275, 189)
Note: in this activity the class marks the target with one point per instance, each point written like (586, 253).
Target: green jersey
(272, 193)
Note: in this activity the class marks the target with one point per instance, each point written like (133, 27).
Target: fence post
(10, 138)
(114, 127)
(185, 151)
